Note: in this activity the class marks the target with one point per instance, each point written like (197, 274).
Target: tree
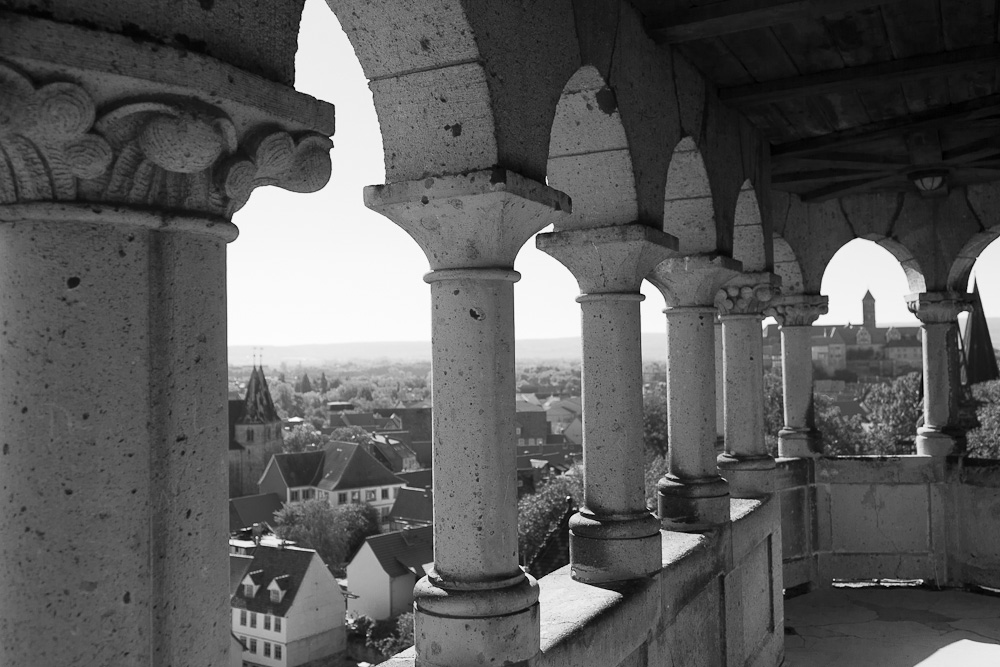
(894, 408)
(400, 638)
(324, 385)
(654, 421)
(304, 438)
(774, 409)
(656, 467)
(540, 512)
(984, 440)
(334, 532)
(351, 434)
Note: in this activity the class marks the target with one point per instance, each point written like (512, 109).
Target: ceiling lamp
(928, 180)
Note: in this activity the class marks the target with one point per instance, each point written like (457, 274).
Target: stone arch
(961, 268)
(589, 156)
(786, 265)
(459, 90)
(688, 207)
(915, 280)
(748, 231)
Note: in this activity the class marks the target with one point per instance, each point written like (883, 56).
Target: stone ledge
(881, 470)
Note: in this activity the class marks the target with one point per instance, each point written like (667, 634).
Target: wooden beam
(966, 112)
(976, 58)
(824, 176)
(731, 16)
(834, 160)
(848, 188)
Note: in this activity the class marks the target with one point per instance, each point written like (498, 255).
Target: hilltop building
(255, 434)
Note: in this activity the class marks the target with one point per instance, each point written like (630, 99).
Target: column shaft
(113, 421)
(942, 387)
(692, 496)
(614, 537)
(746, 464)
(799, 436)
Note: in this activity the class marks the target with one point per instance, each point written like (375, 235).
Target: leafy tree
(893, 411)
(984, 440)
(324, 385)
(351, 434)
(656, 467)
(399, 639)
(539, 512)
(774, 409)
(334, 532)
(654, 421)
(304, 438)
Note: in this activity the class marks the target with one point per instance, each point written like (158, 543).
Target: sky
(336, 272)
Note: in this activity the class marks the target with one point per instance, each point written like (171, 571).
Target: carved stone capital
(748, 294)
(475, 220)
(609, 259)
(69, 142)
(692, 280)
(797, 310)
(938, 307)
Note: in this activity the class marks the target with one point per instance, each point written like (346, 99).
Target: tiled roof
(347, 465)
(525, 406)
(404, 550)
(300, 468)
(417, 479)
(238, 566)
(273, 562)
(245, 511)
(415, 505)
(258, 408)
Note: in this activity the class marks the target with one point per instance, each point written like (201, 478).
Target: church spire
(258, 407)
(868, 311)
(980, 360)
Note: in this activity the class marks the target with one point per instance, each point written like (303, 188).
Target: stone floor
(892, 627)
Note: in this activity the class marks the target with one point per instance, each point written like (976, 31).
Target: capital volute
(692, 280)
(797, 310)
(748, 294)
(609, 259)
(151, 139)
(478, 219)
(938, 307)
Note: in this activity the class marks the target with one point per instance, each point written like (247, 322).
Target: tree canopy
(334, 532)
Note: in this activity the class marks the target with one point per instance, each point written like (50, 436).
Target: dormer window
(251, 583)
(249, 435)
(248, 590)
(275, 595)
(278, 587)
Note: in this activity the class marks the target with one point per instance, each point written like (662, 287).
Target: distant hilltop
(528, 349)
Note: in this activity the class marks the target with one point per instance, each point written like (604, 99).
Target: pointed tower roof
(258, 408)
(868, 296)
(980, 360)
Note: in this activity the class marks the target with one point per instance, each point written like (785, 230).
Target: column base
(799, 443)
(694, 505)
(603, 550)
(748, 477)
(454, 627)
(932, 442)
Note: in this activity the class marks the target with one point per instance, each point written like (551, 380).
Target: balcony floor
(892, 627)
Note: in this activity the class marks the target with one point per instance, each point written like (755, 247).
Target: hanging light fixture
(928, 180)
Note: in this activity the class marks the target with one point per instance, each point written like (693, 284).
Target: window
(267, 649)
(518, 430)
(355, 496)
(253, 645)
(307, 494)
(253, 620)
(370, 494)
(277, 652)
(341, 498)
(275, 597)
(277, 628)
(294, 496)
(243, 616)
(267, 618)
(247, 591)
(249, 435)
(243, 641)
(395, 492)
(385, 494)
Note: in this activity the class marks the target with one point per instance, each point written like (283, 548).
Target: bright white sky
(336, 272)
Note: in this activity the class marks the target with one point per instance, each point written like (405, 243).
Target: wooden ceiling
(854, 95)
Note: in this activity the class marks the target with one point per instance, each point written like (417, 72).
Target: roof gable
(403, 551)
(299, 468)
(288, 564)
(347, 465)
(245, 511)
(258, 408)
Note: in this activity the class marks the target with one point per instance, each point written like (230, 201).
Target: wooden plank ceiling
(854, 95)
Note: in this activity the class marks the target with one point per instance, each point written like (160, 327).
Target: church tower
(868, 310)
(255, 435)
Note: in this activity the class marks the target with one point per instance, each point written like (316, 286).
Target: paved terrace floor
(892, 627)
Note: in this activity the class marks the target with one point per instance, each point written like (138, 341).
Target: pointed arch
(748, 231)
(589, 156)
(688, 210)
(786, 265)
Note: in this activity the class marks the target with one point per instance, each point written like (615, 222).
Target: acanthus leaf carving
(46, 140)
(277, 158)
(744, 299)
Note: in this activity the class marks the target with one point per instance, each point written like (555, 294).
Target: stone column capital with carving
(608, 260)
(938, 307)
(693, 280)
(748, 294)
(797, 310)
(145, 134)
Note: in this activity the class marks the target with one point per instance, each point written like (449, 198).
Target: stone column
(941, 433)
(476, 601)
(613, 537)
(692, 496)
(795, 315)
(746, 463)
(113, 232)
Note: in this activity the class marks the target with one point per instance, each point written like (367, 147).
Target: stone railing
(906, 517)
(716, 600)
